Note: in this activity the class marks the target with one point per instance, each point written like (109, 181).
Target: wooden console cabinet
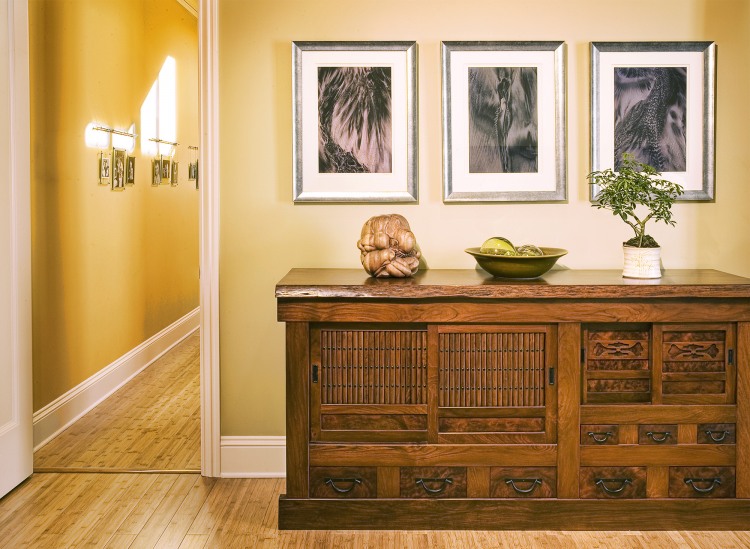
(453, 400)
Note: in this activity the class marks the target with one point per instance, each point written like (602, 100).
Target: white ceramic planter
(641, 262)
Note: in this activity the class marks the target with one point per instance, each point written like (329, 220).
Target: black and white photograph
(156, 172)
(655, 102)
(166, 170)
(504, 122)
(130, 171)
(175, 174)
(355, 112)
(650, 116)
(104, 166)
(354, 119)
(118, 169)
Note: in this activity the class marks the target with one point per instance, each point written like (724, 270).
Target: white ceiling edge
(191, 6)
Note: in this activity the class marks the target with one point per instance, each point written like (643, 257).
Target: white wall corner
(61, 413)
(253, 457)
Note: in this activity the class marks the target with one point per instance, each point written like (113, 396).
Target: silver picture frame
(340, 153)
(504, 121)
(679, 141)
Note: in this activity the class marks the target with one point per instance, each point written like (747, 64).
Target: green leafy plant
(637, 195)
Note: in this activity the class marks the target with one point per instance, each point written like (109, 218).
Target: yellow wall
(109, 269)
(263, 234)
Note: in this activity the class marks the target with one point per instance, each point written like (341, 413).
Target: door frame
(208, 71)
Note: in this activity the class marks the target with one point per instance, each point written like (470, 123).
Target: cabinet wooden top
(466, 283)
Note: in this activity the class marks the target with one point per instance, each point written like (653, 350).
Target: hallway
(150, 424)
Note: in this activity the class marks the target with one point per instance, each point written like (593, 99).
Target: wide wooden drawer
(523, 482)
(701, 482)
(433, 482)
(343, 482)
(613, 482)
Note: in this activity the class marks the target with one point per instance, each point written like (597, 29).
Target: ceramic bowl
(518, 266)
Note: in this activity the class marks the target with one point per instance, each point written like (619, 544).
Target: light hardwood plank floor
(186, 510)
(152, 423)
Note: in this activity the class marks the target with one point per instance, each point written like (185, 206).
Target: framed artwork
(655, 101)
(130, 171)
(166, 170)
(355, 121)
(156, 172)
(174, 179)
(105, 169)
(193, 171)
(504, 122)
(118, 169)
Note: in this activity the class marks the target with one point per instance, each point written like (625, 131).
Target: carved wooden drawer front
(701, 482)
(368, 385)
(716, 433)
(600, 435)
(657, 434)
(616, 365)
(495, 384)
(343, 482)
(697, 363)
(523, 482)
(613, 482)
(433, 482)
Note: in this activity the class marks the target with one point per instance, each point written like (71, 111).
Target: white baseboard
(61, 413)
(253, 457)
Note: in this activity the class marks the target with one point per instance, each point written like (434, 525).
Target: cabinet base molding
(514, 514)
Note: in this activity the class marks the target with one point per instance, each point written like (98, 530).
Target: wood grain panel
(657, 482)
(569, 398)
(687, 433)
(698, 454)
(629, 434)
(743, 410)
(484, 425)
(384, 422)
(297, 408)
(478, 482)
(445, 454)
(701, 482)
(658, 414)
(388, 482)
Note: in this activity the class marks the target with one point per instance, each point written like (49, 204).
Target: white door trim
(208, 45)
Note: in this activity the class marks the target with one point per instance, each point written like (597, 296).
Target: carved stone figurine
(388, 247)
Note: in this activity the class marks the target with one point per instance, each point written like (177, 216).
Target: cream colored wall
(110, 269)
(263, 234)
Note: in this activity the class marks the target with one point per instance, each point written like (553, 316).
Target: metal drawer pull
(534, 483)
(659, 436)
(600, 437)
(446, 481)
(721, 435)
(602, 483)
(354, 482)
(692, 483)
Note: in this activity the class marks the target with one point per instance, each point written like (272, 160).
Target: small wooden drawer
(343, 482)
(613, 482)
(600, 435)
(657, 434)
(523, 482)
(433, 482)
(716, 433)
(701, 482)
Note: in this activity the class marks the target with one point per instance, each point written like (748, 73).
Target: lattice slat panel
(492, 369)
(373, 366)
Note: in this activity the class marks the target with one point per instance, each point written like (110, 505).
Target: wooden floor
(152, 423)
(185, 510)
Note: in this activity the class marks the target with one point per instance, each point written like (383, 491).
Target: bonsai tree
(637, 194)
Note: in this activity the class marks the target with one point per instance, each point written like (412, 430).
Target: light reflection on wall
(159, 112)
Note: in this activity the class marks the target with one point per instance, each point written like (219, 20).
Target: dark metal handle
(601, 483)
(445, 481)
(659, 436)
(714, 483)
(353, 481)
(534, 483)
(720, 438)
(600, 437)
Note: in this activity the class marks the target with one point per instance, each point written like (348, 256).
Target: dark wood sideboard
(452, 400)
